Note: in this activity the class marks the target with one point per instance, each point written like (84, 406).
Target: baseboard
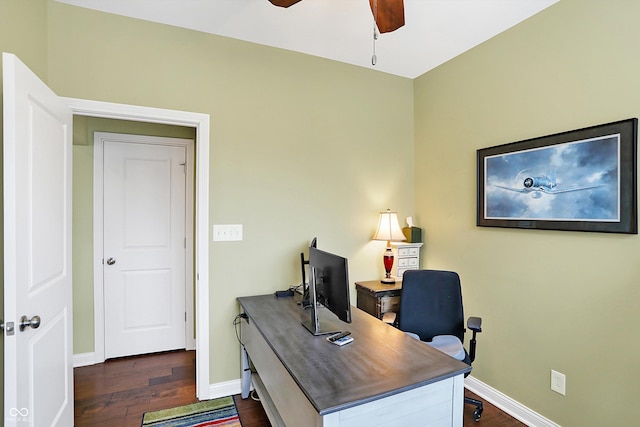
(507, 404)
(84, 359)
(226, 388)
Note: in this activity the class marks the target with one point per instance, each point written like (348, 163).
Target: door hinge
(185, 316)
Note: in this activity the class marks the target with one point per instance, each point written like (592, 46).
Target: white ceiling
(342, 30)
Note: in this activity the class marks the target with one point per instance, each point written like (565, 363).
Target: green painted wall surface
(23, 30)
(83, 295)
(300, 146)
(550, 300)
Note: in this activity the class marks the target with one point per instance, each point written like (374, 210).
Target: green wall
(304, 147)
(549, 299)
(300, 147)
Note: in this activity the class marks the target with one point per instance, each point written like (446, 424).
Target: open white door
(38, 365)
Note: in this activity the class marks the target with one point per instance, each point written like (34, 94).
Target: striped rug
(216, 412)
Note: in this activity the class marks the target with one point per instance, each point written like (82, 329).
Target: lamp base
(388, 280)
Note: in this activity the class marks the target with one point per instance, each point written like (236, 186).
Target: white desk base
(434, 405)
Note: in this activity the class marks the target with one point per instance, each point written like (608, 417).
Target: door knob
(111, 261)
(34, 323)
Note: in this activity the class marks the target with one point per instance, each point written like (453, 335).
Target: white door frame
(199, 121)
(99, 139)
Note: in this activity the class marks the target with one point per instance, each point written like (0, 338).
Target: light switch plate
(558, 382)
(227, 232)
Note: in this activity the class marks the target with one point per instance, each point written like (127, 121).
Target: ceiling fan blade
(284, 3)
(389, 16)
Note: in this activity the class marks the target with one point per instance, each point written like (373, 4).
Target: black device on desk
(329, 286)
(287, 293)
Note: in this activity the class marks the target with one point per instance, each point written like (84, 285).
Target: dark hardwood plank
(251, 412)
(118, 392)
(491, 416)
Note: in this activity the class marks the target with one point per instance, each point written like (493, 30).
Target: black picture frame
(580, 180)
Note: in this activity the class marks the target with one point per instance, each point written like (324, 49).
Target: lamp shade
(389, 228)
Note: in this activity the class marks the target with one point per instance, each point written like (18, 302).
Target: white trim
(98, 284)
(99, 138)
(201, 123)
(507, 404)
(84, 359)
(225, 388)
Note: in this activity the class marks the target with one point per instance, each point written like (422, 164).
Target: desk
(382, 378)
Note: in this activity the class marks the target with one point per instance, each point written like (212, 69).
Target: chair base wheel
(478, 404)
(477, 414)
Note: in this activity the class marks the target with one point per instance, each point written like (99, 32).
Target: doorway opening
(199, 122)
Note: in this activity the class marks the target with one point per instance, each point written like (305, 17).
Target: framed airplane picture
(581, 180)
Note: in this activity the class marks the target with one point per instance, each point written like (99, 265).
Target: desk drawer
(276, 380)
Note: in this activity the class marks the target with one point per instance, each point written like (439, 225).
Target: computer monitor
(328, 286)
(303, 267)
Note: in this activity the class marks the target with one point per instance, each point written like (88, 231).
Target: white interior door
(38, 363)
(144, 248)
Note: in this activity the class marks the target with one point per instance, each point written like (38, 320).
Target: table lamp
(388, 229)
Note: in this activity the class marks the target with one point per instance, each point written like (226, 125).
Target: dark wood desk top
(380, 362)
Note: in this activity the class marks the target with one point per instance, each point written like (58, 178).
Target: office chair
(431, 310)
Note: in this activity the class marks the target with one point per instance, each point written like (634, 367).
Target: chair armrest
(475, 324)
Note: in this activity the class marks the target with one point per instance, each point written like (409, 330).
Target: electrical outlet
(558, 382)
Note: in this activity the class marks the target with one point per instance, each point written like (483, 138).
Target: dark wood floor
(118, 392)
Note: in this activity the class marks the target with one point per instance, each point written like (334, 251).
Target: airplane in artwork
(537, 185)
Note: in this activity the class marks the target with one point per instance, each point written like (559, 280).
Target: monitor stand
(314, 324)
(320, 327)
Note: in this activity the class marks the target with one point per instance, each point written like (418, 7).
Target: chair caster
(477, 414)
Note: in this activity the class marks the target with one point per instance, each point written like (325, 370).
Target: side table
(377, 298)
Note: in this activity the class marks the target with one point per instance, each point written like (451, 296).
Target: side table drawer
(407, 258)
(404, 252)
(403, 269)
(389, 303)
(407, 262)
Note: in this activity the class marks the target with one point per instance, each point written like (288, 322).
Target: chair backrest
(431, 304)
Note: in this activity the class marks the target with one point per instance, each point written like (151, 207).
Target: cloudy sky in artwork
(586, 163)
